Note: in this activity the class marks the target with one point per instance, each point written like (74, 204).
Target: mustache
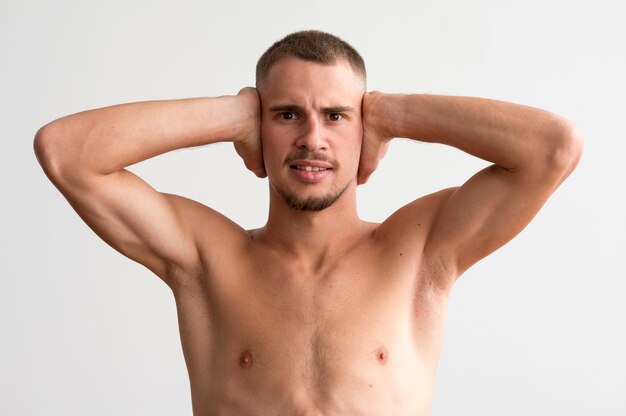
(305, 154)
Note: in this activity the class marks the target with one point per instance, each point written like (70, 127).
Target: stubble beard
(312, 204)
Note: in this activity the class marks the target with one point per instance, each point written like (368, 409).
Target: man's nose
(312, 137)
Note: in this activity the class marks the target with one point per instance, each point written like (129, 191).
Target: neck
(312, 234)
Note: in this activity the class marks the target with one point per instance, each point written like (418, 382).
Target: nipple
(382, 355)
(245, 360)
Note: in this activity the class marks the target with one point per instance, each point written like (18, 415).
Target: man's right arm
(85, 156)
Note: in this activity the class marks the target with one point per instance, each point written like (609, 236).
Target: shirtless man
(317, 312)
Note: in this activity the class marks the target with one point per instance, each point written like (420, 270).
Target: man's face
(311, 131)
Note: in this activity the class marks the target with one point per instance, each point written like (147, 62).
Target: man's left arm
(532, 151)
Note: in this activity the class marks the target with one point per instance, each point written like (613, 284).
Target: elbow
(569, 148)
(42, 145)
(565, 148)
(45, 145)
(52, 152)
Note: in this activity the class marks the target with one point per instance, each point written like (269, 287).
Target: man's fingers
(375, 142)
(252, 156)
(248, 143)
(372, 151)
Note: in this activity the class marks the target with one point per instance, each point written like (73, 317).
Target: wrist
(381, 115)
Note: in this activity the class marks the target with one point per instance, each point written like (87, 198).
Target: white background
(535, 329)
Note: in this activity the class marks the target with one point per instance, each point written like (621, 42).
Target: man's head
(311, 85)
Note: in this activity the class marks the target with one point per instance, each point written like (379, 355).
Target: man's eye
(335, 116)
(287, 116)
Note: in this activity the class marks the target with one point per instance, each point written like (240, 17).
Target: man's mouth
(309, 168)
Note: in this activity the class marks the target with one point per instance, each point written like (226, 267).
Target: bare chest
(355, 326)
(315, 318)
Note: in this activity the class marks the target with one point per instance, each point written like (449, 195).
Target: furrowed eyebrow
(286, 107)
(296, 108)
(337, 109)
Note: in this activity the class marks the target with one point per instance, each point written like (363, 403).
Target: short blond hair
(313, 46)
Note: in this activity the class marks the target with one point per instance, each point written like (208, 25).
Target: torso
(358, 335)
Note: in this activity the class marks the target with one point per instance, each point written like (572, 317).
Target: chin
(310, 203)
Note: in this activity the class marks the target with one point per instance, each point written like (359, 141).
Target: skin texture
(317, 312)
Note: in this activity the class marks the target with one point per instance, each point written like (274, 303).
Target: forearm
(108, 139)
(510, 135)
